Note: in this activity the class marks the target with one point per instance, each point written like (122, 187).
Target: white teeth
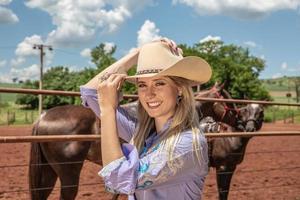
(154, 104)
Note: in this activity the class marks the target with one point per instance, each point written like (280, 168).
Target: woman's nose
(150, 91)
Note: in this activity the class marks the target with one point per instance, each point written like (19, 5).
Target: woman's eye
(160, 83)
(141, 85)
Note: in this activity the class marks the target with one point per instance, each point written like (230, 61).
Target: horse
(227, 152)
(64, 160)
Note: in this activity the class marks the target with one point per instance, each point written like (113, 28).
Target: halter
(226, 108)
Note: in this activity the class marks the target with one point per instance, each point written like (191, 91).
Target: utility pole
(42, 53)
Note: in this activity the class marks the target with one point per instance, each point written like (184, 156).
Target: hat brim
(193, 68)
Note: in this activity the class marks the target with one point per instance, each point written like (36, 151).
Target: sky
(269, 29)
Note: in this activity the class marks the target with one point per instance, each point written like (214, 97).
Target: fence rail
(128, 96)
(85, 137)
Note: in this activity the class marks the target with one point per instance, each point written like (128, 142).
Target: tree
(296, 81)
(58, 78)
(101, 57)
(232, 65)
(31, 101)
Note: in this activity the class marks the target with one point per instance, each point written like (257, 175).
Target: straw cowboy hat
(156, 59)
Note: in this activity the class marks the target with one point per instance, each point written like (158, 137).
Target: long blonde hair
(185, 118)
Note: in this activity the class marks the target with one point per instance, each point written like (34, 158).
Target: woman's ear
(179, 91)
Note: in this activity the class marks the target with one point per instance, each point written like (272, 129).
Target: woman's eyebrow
(160, 79)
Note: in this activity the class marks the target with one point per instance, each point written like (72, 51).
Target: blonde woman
(166, 154)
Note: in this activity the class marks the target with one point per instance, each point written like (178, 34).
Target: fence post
(32, 116)
(26, 117)
(274, 118)
(14, 118)
(7, 117)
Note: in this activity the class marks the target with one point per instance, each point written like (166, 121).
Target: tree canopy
(232, 65)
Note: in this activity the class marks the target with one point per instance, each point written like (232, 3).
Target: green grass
(280, 84)
(17, 116)
(279, 113)
(6, 98)
(11, 112)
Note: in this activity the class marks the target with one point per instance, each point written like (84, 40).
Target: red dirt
(269, 175)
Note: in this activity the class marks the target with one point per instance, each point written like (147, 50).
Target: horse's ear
(222, 86)
(216, 84)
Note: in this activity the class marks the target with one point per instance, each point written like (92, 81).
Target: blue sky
(270, 29)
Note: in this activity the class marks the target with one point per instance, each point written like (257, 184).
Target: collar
(154, 136)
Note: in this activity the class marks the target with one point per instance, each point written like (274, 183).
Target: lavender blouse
(151, 175)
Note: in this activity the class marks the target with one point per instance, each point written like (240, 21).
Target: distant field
(8, 97)
(280, 96)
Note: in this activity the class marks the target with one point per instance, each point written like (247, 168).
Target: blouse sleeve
(131, 173)
(125, 122)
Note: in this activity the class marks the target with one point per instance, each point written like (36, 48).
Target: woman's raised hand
(108, 90)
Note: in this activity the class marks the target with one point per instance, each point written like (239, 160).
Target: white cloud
(294, 70)
(147, 33)
(5, 2)
(284, 66)
(31, 72)
(17, 62)
(250, 44)
(210, 38)
(5, 78)
(108, 47)
(277, 75)
(7, 16)
(2, 63)
(79, 21)
(86, 53)
(242, 9)
(25, 48)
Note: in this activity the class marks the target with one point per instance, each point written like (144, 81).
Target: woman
(166, 153)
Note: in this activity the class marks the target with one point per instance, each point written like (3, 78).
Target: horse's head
(251, 117)
(220, 111)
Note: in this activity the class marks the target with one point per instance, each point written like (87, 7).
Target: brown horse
(227, 152)
(64, 160)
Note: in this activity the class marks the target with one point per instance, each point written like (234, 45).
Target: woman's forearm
(110, 145)
(120, 66)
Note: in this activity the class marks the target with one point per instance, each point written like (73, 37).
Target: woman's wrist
(107, 111)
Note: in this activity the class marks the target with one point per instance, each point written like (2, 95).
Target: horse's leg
(224, 175)
(69, 179)
(69, 157)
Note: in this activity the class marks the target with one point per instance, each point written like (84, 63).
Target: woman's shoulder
(188, 135)
(188, 139)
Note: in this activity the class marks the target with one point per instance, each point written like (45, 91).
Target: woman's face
(158, 96)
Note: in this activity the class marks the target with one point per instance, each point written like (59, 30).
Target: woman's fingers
(113, 80)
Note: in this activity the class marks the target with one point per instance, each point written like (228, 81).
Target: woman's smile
(154, 104)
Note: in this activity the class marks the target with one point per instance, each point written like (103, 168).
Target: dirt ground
(270, 170)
